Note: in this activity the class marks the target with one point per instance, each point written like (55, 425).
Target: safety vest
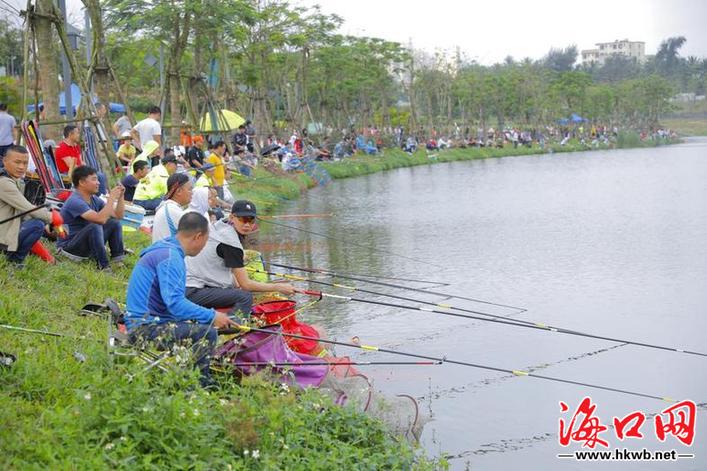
(153, 186)
(203, 181)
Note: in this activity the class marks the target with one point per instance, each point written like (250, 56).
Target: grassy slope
(57, 412)
(687, 126)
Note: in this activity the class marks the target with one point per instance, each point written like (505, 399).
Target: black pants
(238, 299)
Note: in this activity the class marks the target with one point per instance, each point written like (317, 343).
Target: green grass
(687, 127)
(60, 413)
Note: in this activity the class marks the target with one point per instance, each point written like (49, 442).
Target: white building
(636, 49)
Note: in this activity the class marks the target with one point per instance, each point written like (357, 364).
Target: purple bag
(261, 347)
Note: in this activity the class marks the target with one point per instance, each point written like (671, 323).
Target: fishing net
(283, 312)
(268, 352)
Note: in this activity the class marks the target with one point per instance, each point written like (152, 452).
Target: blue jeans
(91, 242)
(102, 182)
(30, 232)
(199, 338)
(150, 205)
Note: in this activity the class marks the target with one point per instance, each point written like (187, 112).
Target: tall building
(636, 49)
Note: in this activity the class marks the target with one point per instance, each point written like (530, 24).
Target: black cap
(169, 159)
(243, 208)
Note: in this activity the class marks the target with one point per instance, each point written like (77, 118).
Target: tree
(560, 60)
(667, 57)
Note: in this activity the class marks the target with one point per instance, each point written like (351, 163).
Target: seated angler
(179, 193)
(19, 235)
(91, 222)
(151, 189)
(158, 311)
(217, 276)
(140, 170)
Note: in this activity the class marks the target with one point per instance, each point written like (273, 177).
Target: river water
(608, 242)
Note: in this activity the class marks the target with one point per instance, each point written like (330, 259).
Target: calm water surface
(613, 243)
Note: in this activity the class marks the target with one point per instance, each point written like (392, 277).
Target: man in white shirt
(149, 129)
(169, 212)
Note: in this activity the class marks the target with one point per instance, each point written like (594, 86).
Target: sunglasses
(246, 219)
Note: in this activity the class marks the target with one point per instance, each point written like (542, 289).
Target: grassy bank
(686, 126)
(66, 405)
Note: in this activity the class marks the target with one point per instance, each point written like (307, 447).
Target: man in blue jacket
(157, 309)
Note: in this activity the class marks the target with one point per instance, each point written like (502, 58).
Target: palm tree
(667, 57)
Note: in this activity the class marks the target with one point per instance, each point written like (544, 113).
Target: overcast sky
(490, 30)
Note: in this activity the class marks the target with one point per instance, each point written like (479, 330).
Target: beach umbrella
(226, 120)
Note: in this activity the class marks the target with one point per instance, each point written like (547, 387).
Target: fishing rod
(298, 216)
(40, 332)
(499, 320)
(334, 364)
(351, 276)
(24, 213)
(444, 359)
(373, 249)
(355, 277)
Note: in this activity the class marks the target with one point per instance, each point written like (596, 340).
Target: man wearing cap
(153, 187)
(217, 276)
(145, 155)
(220, 175)
(126, 151)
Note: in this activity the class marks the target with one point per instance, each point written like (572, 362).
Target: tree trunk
(99, 62)
(48, 67)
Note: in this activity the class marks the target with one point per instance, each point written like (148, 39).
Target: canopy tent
(226, 120)
(76, 99)
(574, 118)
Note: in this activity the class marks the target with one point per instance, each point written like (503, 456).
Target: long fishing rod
(392, 285)
(351, 276)
(24, 213)
(490, 317)
(500, 320)
(372, 249)
(334, 364)
(243, 328)
(40, 332)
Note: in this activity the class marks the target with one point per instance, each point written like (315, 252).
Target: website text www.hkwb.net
(623, 454)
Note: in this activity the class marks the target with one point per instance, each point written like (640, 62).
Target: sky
(488, 31)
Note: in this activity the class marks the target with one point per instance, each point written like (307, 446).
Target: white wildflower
(256, 454)
(87, 396)
(246, 452)
(223, 402)
(109, 446)
(196, 412)
(123, 439)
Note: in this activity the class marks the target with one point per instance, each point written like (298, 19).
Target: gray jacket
(13, 202)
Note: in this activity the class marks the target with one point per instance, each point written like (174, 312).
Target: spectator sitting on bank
(91, 222)
(171, 210)
(130, 181)
(126, 152)
(410, 145)
(153, 187)
(18, 236)
(146, 155)
(431, 144)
